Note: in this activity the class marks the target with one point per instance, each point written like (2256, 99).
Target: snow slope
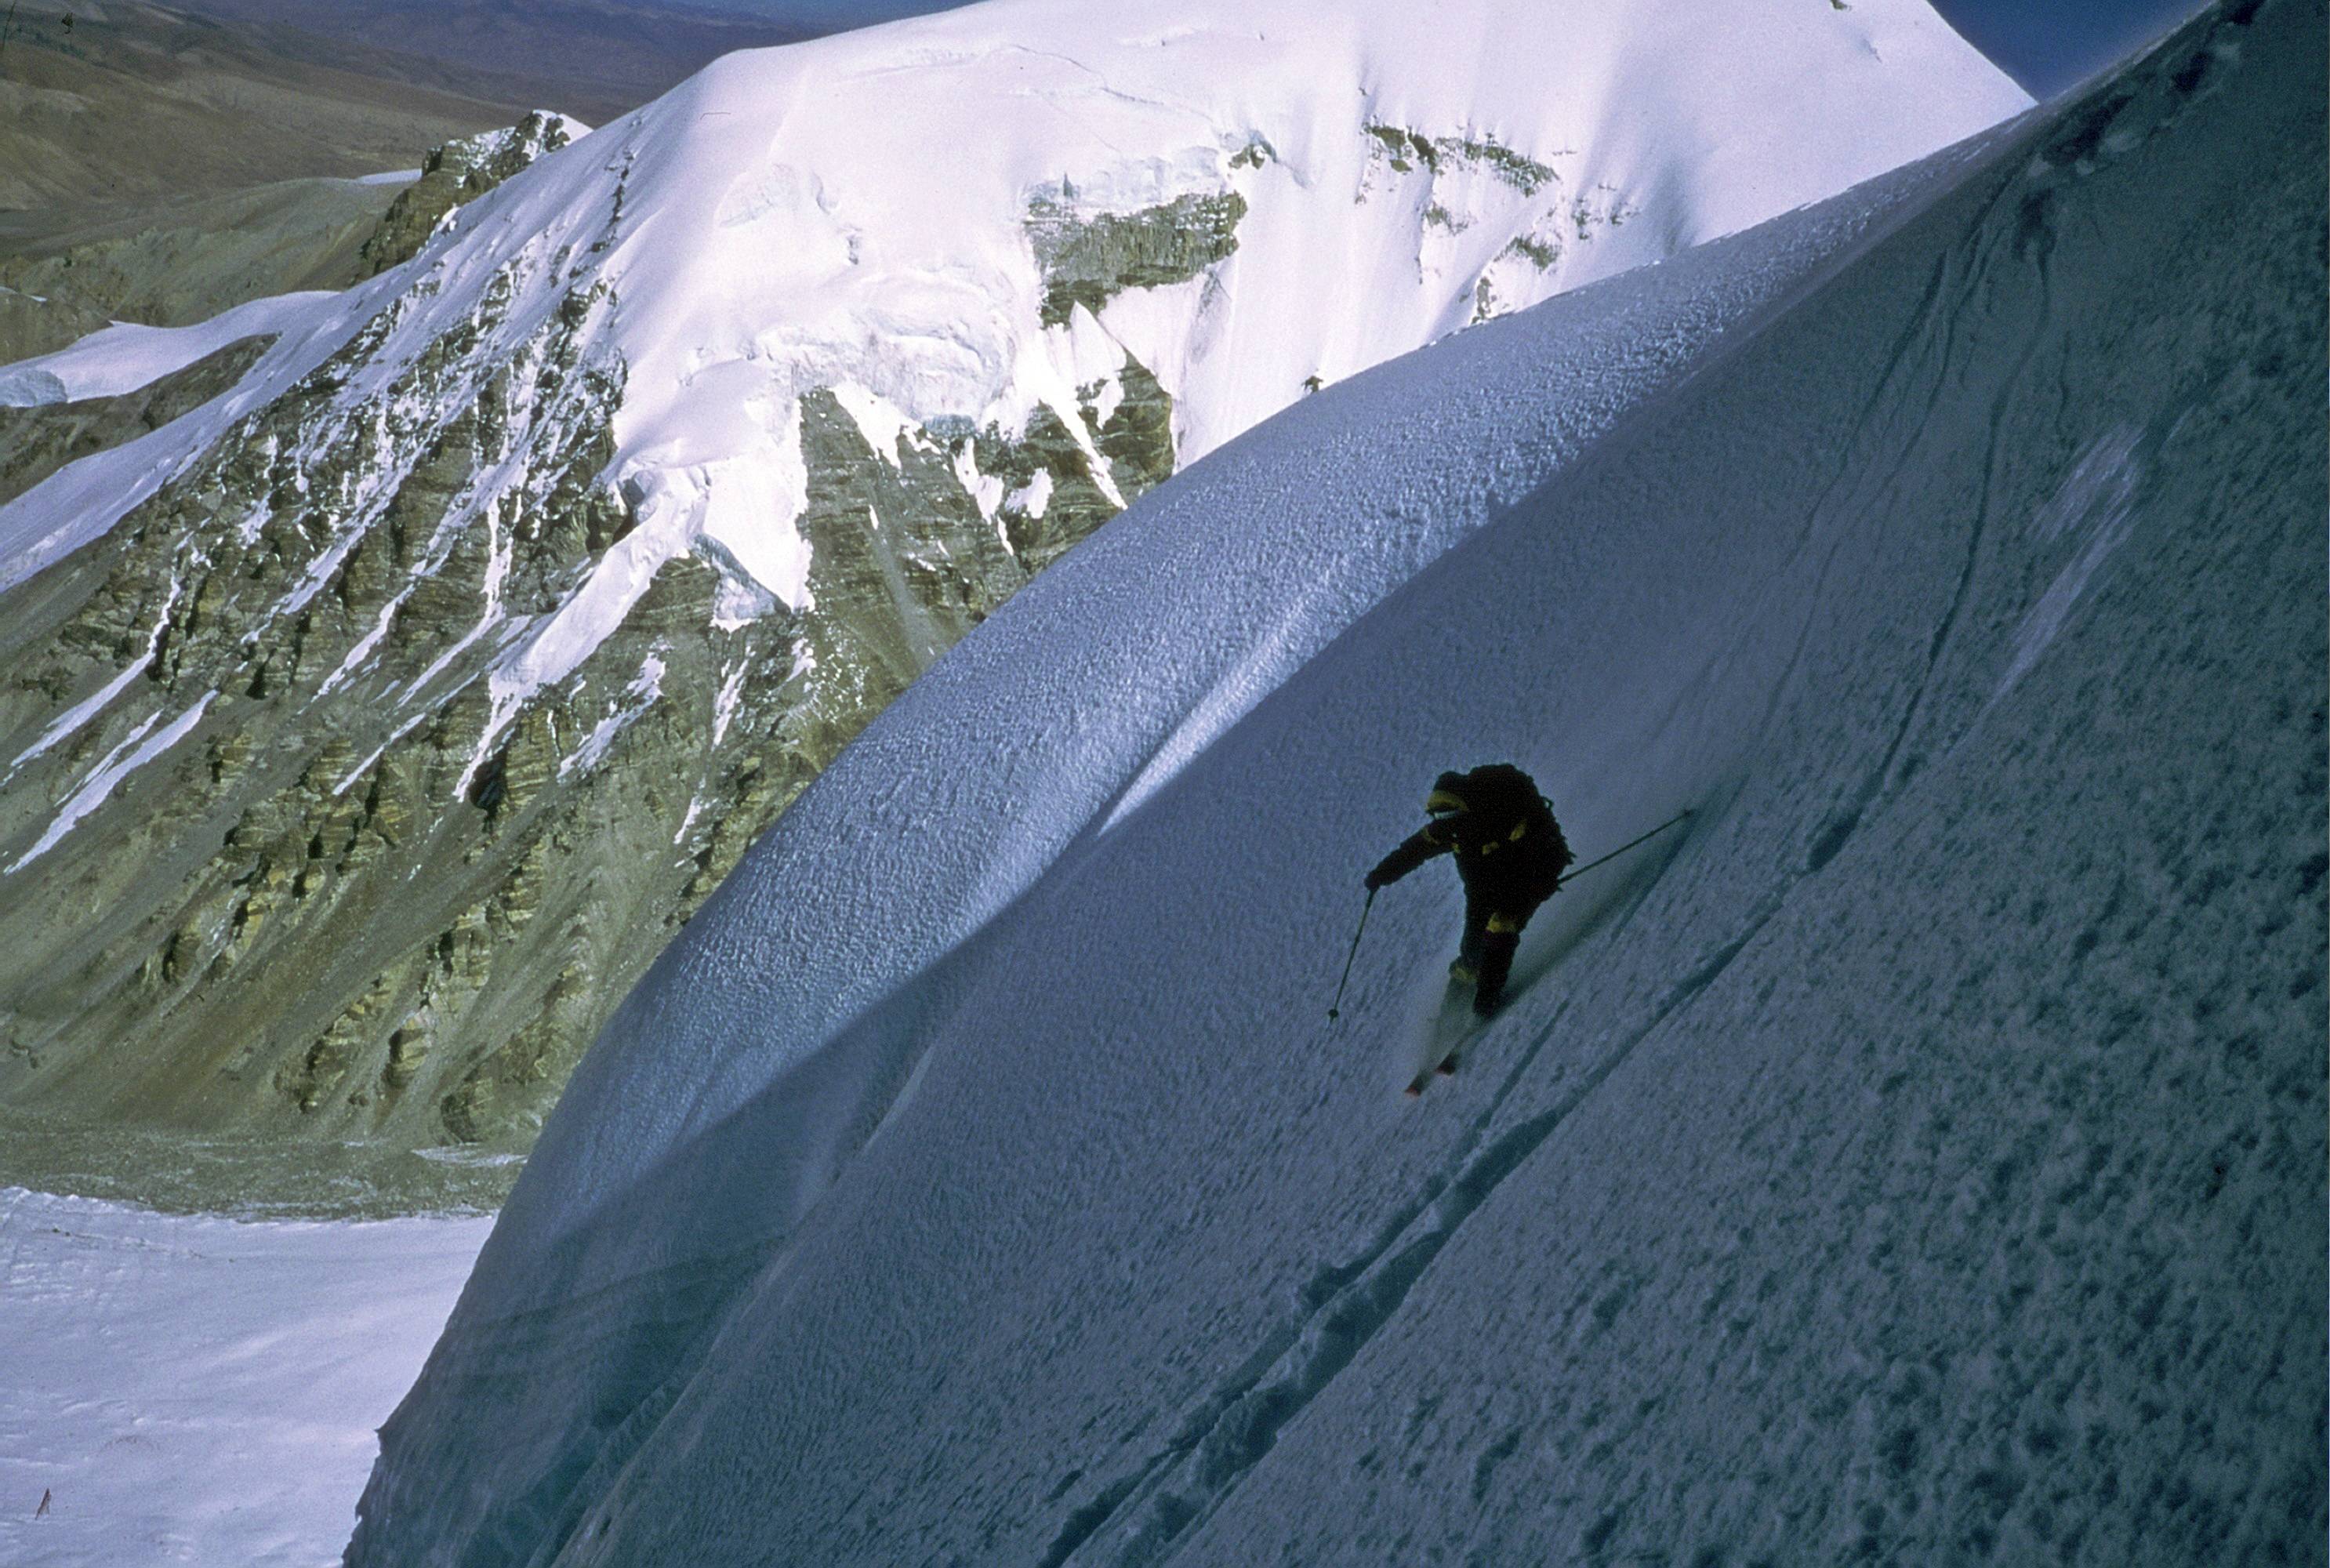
(195, 1388)
(125, 356)
(1919, 1159)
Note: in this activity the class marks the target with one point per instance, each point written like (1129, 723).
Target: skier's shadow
(1564, 923)
(1577, 913)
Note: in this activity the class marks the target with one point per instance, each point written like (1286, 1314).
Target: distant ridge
(594, 59)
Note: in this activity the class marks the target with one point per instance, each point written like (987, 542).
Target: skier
(1510, 855)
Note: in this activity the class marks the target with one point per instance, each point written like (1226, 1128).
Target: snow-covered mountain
(1919, 1159)
(370, 726)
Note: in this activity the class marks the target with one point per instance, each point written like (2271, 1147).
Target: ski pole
(1334, 1011)
(1570, 876)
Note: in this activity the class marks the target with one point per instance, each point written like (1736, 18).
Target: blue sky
(2045, 44)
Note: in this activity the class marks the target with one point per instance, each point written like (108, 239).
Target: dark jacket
(1507, 847)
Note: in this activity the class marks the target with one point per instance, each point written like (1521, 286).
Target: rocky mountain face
(352, 895)
(38, 324)
(38, 440)
(371, 721)
(68, 272)
(190, 275)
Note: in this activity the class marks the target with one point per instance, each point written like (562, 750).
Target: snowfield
(196, 1389)
(1921, 1157)
(127, 355)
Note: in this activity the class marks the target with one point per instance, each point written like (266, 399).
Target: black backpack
(1548, 851)
(1501, 791)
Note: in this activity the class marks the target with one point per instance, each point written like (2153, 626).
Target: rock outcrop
(347, 896)
(37, 440)
(455, 173)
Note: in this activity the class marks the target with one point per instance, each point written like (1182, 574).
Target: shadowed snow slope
(1919, 1158)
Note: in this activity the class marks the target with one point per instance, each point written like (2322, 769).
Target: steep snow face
(1917, 1158)
(775, 387)
(1110, 672)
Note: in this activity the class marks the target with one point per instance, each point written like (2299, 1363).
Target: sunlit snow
(854, 214)
(196, 1389)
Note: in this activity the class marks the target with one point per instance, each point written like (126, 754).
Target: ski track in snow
(2097, 508)
(1235, 1426)
(1649, 337)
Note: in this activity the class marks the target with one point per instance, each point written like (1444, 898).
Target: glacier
(1919, 1159)
(205, 1388)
